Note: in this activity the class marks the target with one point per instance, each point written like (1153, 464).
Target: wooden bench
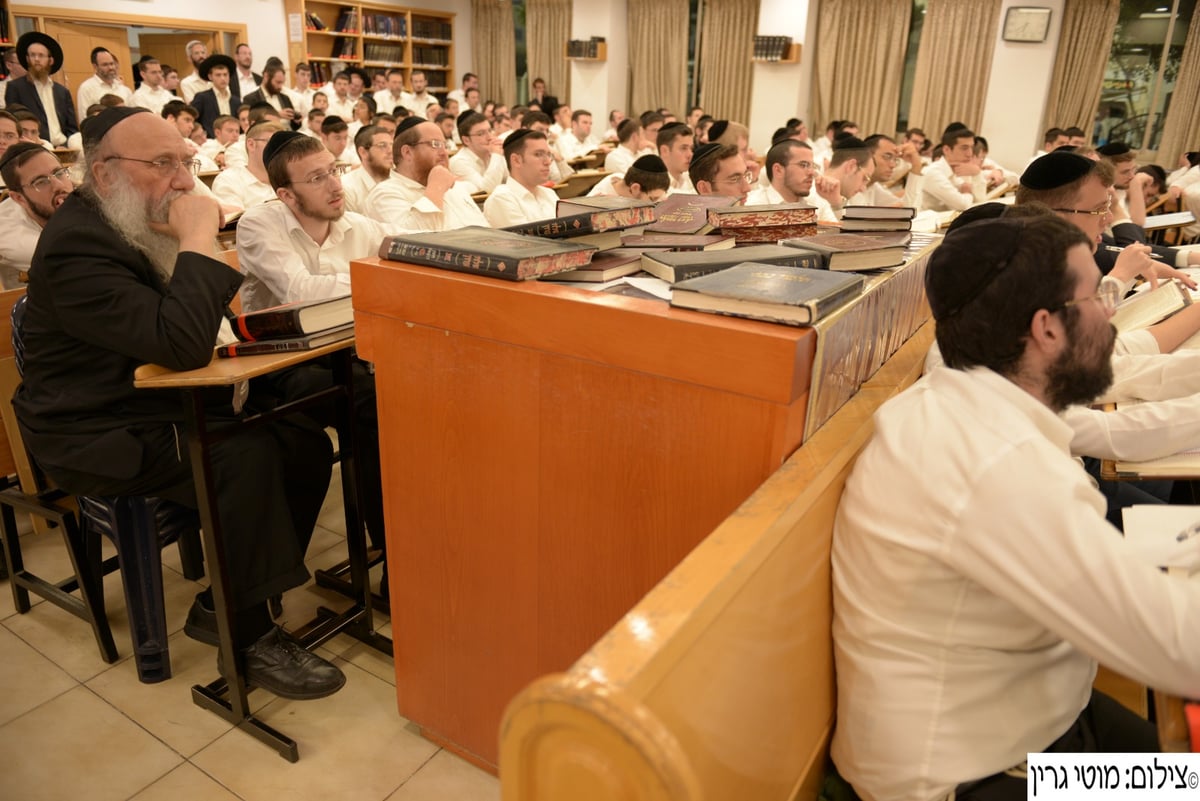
(719, 683)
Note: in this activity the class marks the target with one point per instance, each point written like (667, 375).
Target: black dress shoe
(202, 623)
(279, 664)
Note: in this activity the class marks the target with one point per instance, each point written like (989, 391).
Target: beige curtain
(953, 63)
(726, 48)
(859, 65)
(1083, 45)
(658, 55)
(1181, 131)
(494, 47)
(547, 29)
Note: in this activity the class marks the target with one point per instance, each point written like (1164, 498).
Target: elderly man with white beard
(125, 275)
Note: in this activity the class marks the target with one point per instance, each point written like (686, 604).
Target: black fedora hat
(37, 37)
(216, 60)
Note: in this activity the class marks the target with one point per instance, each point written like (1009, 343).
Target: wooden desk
(208, 176)
(1159, 226)
(227, 696)
(548, 454)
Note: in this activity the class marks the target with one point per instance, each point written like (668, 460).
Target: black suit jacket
(25, 93)
(205, 104)
(548, 104)
(284, 102)
(98, 309)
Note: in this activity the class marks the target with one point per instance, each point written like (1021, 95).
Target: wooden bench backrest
(719, 683)
(12, 459)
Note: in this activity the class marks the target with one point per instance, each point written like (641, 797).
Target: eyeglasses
(381, 146)
(436, 144)
(165, 167)
(336, 171)
(733, 180)
(9, 137)
(804, 165)
(1099, 211)
(544, 155)
(485, 132)
(1108, 296)
(42, 182)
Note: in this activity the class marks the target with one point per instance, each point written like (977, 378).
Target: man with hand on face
(374, 146)
(956, 181)
(522, 198)
(137, 236)
(850, 168)
(37, 185)
(50, 102)
(422, 194)
(272, 93)
(480, 161)
(106, 81)
(886, 154)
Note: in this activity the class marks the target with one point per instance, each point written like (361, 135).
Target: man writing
(646, 179)
(522, 198)
(106, 81)
(50, 102)
(422, 194)
(975, 580)
(135, 235)
(480, 161)
(37, 185)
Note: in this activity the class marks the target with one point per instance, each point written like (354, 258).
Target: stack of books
(877, 218)
(765, 223)
(303, 325)
(601, 222)
(855, 251)
(487, 251)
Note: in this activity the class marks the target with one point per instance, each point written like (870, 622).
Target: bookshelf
(374, 37)
(586, 50)
(8, 35)
(776, 50)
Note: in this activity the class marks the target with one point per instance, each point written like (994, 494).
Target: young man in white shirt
(106, 81)
(419, 99)
(540, 121)
(245, 186)
(886, 154)
(392, 95)
(227, 131)
(675, 146)
(646, 179)
(301, 92)
(956, 181)
(975, 579)
(422, 194)
(522, 198)
(37, 185)
(246, 78)
(791, 169)
(629, 137)
(340, 102)
(151, 94)
(481, 160)
(469, 81)
(374, 147)
(720, 170)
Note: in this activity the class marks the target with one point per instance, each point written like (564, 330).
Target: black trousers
(1104, 726)
(315, 375)
(269, 481)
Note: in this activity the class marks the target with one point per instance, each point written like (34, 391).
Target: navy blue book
(776, 293)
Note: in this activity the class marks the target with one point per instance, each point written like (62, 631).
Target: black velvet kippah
(513, 141)
(967, 260)
(17, 149)
(650, 164)
(93, 129)
(1114, 149)
(984, 211)
(278, 141)
(716, 129)
(703, 151)
(1056, 169)
(848, 142)
(409, 122)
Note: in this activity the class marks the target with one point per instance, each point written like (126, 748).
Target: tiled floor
(73, 727)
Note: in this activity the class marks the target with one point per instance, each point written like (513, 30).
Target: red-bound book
(287, 344)
(294, 319)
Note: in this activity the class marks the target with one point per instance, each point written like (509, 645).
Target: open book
(1151, 306)
(1165, 535)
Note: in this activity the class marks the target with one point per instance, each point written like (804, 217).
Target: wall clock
(1026, 24)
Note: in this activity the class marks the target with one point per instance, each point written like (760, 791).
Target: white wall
(1017, 90)
(781, 91)
(597, 86)
(266, 23)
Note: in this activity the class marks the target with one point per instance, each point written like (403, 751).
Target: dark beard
(1082, 372)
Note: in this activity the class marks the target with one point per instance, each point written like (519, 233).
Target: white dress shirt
(385, 101)
(20, 237)
(45, 90)
(237, 186)
(339, 107)
(246, 83)
(301, 101)
(153, 98)
(417, 104)
(283, 264)
(513, 204)
(976, 583)
(683, 185)
(192, 84)
(620, 159)
(571, 147)
(357, 185)
(940, 190)
(400, 204)
(482, 177)
(607, 186)
(766, 195)
(91, 90)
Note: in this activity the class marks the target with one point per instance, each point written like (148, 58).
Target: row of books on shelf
(431, 55)
(771, 48)
(378, 52)
(384, 25)
(432, 29)
(344, 47)
(584, 48)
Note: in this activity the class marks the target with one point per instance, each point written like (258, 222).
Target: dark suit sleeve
(1129, 233)
(66, 110)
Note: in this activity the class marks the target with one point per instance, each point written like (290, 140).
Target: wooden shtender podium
(548, 455)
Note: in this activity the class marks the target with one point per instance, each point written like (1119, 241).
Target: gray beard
(130, 215)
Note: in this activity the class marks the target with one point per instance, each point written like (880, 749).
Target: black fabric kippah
(704, 151)
(463, 115)
(1056, 169)
(848, 142)
(409, 122)
(716, 129)
(278, 141)
(17, 149)
(650, 164)
(984, 211)
(514, 139)
(93, 129)
(1114, 149)
(967, 260)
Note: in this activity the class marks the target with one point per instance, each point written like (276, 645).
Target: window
(1139, 81)
(915, 26)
